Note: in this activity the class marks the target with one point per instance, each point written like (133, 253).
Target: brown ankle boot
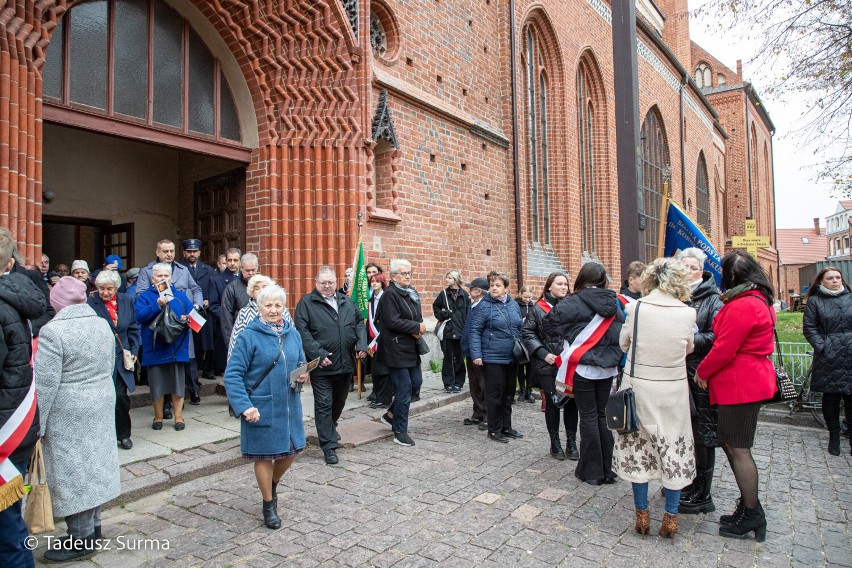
(643, 521)
(669, 527)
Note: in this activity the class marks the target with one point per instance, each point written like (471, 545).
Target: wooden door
(118, 240)
(220, 213)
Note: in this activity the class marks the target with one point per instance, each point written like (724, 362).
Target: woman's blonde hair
(455, 275)
(667, 275)
(251, 286)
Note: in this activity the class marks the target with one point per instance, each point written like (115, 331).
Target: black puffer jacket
(446, 308)
(20, 300)
(707, 303)
(828, 327)
(574, 313)
(540, 345)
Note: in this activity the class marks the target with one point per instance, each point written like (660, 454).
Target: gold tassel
(11, 492)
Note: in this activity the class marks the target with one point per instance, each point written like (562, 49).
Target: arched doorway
(143, 138)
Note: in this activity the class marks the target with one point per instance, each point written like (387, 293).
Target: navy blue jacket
(127, 329)
(493, 331)
(211, 287)
(465, 338)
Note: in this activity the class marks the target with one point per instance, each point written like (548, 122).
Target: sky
(798, 196)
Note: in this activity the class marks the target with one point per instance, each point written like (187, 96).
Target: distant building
(839, 231)
(798, 248)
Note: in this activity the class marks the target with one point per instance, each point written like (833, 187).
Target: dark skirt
(738, 424)
(166, 379)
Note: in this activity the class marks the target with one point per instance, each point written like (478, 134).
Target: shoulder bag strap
(633, 342)
(509, 323)
(269, 369)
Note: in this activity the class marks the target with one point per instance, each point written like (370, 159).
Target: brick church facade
(272, 125)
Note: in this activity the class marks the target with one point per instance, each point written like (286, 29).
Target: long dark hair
(553, 276)
(738, 267)
(818, 280)
(591, 274)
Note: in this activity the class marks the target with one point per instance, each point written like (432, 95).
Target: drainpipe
(516, 160)
(683, 140)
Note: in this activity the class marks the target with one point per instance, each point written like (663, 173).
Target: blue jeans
(13, 532)
(640, 498)
(405, 380)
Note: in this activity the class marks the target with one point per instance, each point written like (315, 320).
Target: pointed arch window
(586, 128)
(703, 76)
(655, 171)
(139, 61)
(535, 75)
(702, 194)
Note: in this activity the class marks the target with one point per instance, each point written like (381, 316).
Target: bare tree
(806, 51)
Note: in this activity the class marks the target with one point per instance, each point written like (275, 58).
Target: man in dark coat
(210, 285)
(20, 300)
(236, 295)
(35, 277)
(232, 266)
(332, 328)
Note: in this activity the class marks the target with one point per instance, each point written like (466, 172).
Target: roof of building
(846, 204)
(801, 246)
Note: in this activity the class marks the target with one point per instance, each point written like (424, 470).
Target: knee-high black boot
(700, 500)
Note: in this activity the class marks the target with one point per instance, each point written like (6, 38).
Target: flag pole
(351, 289)
(664, 212)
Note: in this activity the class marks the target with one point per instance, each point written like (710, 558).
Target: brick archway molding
(304, 184)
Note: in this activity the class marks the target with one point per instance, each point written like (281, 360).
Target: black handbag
(621, 407)
(167, 326)
(260, 380)
(785, 390)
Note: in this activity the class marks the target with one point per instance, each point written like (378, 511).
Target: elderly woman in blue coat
(271, 432)
(164, 361)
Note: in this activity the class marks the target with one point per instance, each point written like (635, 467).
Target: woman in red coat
(740, 377)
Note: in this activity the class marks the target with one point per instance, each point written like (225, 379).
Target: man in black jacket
(20, 300)
(332, 329)
(235, 297)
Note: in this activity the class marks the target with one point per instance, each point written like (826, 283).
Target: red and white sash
(371, 329)
(11, 435)
(544, 305)
(624, 300)
(568, 360)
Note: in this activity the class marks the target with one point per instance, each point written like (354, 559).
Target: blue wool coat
(493, 330)
(280, 428)
(162, 353)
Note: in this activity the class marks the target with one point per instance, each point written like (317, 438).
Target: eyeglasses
(405, 273)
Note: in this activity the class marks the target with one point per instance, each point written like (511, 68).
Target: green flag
(359, 290)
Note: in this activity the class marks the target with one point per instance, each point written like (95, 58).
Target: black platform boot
(556, 451)
(571, 451)
(747, 521)
(699, 499)
(270, 515)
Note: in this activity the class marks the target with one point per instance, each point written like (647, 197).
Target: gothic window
(702, 194)
(754, 175)
(535, 76)
(139, 61)
(588, 169)
(703, 76)
(655, 172)
(378, 37)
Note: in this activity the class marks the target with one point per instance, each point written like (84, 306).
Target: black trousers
(524, 377)
(383, 387)
(477, 390)
(831, 408)
(330, 394)
(596, 442)
(569, 415)
(122, 407)
(452, 371)
(499, 392)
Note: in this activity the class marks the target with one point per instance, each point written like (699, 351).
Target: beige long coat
(663, 448)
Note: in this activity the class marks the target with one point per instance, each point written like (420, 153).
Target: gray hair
(668, 275)
(692, 252)
(326, 270)
(398, 263)
(160, 267)
(105, 277)
(233, 250)
(255, 281)
(272, 292)
(247, 258)
(7, 246)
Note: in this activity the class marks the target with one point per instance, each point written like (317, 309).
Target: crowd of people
(697, 361)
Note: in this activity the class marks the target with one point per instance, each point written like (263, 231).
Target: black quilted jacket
(828, 327)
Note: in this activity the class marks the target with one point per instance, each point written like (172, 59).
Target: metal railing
(797, 359)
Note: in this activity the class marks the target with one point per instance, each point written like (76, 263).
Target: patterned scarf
(112, 309)
(412, 293)
(277, 327)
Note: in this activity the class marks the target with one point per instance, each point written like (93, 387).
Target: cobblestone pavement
(458, 499)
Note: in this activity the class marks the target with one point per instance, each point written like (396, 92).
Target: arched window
(703, 76)
(655, 170)
(754, 175)
(586, 125)
(702, 194)
(537, 151)
(139, 61)
(845, 245)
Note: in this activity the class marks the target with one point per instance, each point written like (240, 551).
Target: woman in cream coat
(663, 448)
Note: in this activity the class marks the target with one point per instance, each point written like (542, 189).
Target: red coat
(738, 369)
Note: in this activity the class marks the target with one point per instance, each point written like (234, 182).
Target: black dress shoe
(167, 413)
(157, 425)
(483, 425)
(331, 457)
(472, 421)
(609, 480)
(194, 398)
(415, 398)
(125, 444)
(498, 437)
(180, 426)
(510, 433)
